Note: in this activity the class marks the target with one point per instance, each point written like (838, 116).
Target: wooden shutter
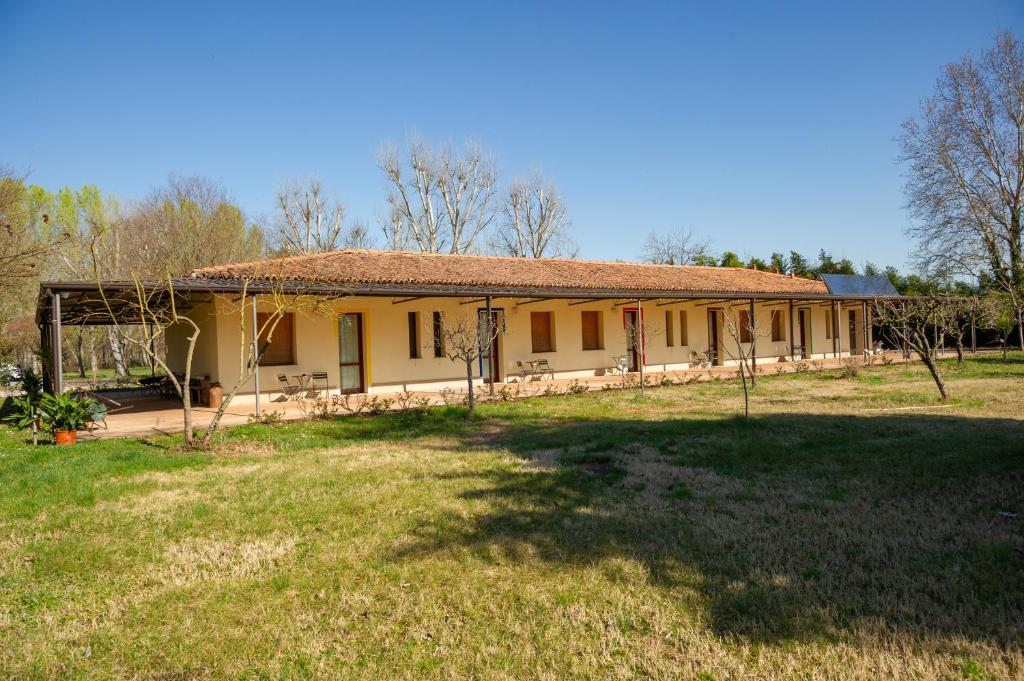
(777, 326)
(591, 321)
(540, 331)
(744, 326)
(438, 337)
(414, 335)
(684, 337)
(281, 349)
(670, 329)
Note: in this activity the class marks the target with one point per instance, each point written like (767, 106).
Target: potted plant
(64, 415)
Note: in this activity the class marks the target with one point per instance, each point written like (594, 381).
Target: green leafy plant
(32, 385)
(24, 415)
(66, 412)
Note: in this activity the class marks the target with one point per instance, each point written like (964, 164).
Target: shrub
(267, 418)
(576, 387)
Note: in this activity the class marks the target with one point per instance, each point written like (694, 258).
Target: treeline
(684, 247)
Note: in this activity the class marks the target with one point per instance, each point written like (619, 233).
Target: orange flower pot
(65, 437)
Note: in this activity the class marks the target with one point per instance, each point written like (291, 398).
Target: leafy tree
(730, 259)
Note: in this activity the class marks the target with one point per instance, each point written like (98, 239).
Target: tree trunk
(117, 352)
(746, 395)
(959, 351)
(469, 384)
(93, 369)
(929, 362)
(80, 353)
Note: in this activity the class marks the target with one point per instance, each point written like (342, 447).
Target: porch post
(491, 338)
(643, 343)
(56, 357)
(753, 340)
(974, 338)
(256, 354)
(864, 325)
(835, 331)
(792, 341)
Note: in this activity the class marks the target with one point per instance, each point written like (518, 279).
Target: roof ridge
(488, 256)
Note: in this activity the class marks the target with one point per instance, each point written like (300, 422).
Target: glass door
(350, 349)
(490, 360)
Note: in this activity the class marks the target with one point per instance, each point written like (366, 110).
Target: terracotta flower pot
(65, 437)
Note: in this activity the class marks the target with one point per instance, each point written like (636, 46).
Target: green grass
(850, 528)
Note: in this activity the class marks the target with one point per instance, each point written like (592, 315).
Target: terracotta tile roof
(384, 268)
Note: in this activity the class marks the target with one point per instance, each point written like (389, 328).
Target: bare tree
(26, 239)
(307, 222)
(965, 183)
(996, 311)
(465, 338)
(681, 247)
(440, 201)
(192, 222)
(535, 223)
(742, 325)
(916, 324)
(358, 236)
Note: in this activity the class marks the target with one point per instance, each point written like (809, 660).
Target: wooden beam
(586, 302)
(531, 302)
(475, 300)
(716, 302)
(406, 300)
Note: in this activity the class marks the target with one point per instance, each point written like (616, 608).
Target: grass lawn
(851, 528)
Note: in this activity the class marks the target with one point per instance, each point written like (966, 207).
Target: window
(684, 338)
(438, 337)
(670, 329)
(777, 334)
(591, 321)
(281, 347)
(414, 335)
(745, 335)
(540, 332)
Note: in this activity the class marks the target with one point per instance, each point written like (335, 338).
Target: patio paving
(149, 415)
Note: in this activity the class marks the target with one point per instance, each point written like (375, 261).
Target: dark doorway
(714, 351)
(853, 332)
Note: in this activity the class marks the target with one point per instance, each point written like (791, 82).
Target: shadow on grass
(781, 527)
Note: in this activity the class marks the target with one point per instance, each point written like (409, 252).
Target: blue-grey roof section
(859, 285)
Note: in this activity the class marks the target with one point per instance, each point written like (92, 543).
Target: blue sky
(761, 126)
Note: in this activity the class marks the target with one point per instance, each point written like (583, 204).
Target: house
(380, 323)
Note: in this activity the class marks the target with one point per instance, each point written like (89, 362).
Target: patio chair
(620, 366)
(287, 388)
(525, 372)
(544, 369)
(701, 360)
(98, 416)
(318, 383)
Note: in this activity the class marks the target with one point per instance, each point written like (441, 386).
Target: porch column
(864, 325)
(490, 341)
(256, 354)
(792, 341)
(643, 341)
(57, 358)
(835, 331)
(753, 338)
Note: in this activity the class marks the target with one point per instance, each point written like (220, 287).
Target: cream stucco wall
(388, 366)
